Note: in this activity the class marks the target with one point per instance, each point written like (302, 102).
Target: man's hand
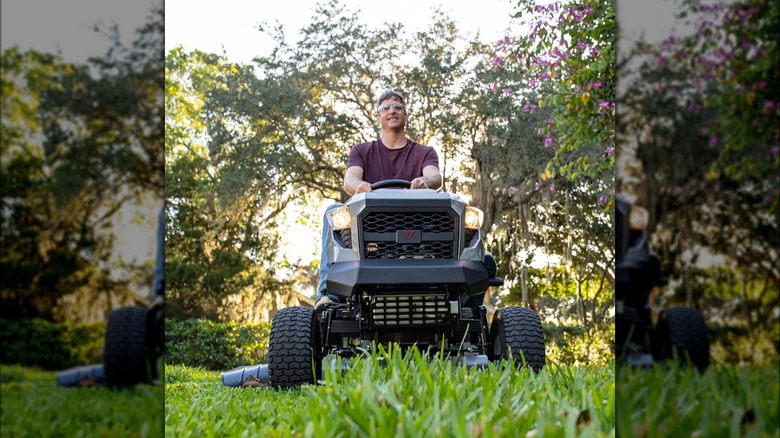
(419, 183)
(364, 187)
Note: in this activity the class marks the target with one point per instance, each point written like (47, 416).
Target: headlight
(473, 217)
(340, 218)
(638, 218)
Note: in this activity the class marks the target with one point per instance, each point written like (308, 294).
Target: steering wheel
(391, 183)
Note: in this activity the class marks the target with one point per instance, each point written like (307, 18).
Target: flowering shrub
(732, 66)
(569, 51)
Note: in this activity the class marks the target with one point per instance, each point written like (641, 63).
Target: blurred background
(82, 177)
(698, 147)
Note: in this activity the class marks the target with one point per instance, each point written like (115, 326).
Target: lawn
(410, 396)
(722, 401)
(33, 405)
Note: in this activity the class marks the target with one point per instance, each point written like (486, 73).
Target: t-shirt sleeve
(431, 158)
(356, 157)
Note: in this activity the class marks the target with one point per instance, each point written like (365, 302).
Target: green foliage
(723, 401)
(411, 395)
(744, 346)
(230, 163)
(54, 346)
(567, 345)
(215, 346)
(33, 405)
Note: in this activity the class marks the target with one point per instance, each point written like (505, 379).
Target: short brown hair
(389, 94)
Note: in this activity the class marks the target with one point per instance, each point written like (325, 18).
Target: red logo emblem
(408, 236)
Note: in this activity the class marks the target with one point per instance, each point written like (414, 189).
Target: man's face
(390, 116)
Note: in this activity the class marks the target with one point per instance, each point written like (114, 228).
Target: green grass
(411, 396)
(722, 401)
(33, 405)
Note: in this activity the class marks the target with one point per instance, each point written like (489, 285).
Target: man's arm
(431, 179)
(353, 181)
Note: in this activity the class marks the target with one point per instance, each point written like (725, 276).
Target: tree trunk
(580, 305)
(687, 283)
(524, 284)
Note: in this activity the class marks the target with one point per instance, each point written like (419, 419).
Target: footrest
(72, 376)
(237, 376)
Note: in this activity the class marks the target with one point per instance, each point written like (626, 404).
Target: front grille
(385, 222)
(436, 230)
(410, 310)
(403, 251)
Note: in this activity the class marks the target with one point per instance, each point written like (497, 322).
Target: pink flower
(496, 61)
(494, 88)
(548, 142)
(774, 150)
(596, 84)
(713, 141)
(550, 122)
(507, 90)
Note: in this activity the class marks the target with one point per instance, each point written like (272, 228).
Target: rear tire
(126, 358)
(294, 348)
(681, 334)
(517, 333)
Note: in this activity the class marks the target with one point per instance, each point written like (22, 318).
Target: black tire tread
(125, 355)
(522, 333)
(688, 335)
(291, 347)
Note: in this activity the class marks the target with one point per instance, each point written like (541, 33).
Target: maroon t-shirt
(380, 163)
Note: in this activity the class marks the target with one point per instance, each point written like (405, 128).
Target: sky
(233, 26)
(66, 27)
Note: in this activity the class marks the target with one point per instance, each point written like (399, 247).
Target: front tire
(294, 348)
(126, 357)
(517, 333)
(682, 334)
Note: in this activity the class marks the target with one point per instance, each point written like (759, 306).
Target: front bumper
(346, 278)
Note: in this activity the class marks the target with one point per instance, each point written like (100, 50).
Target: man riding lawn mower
(409, 268)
